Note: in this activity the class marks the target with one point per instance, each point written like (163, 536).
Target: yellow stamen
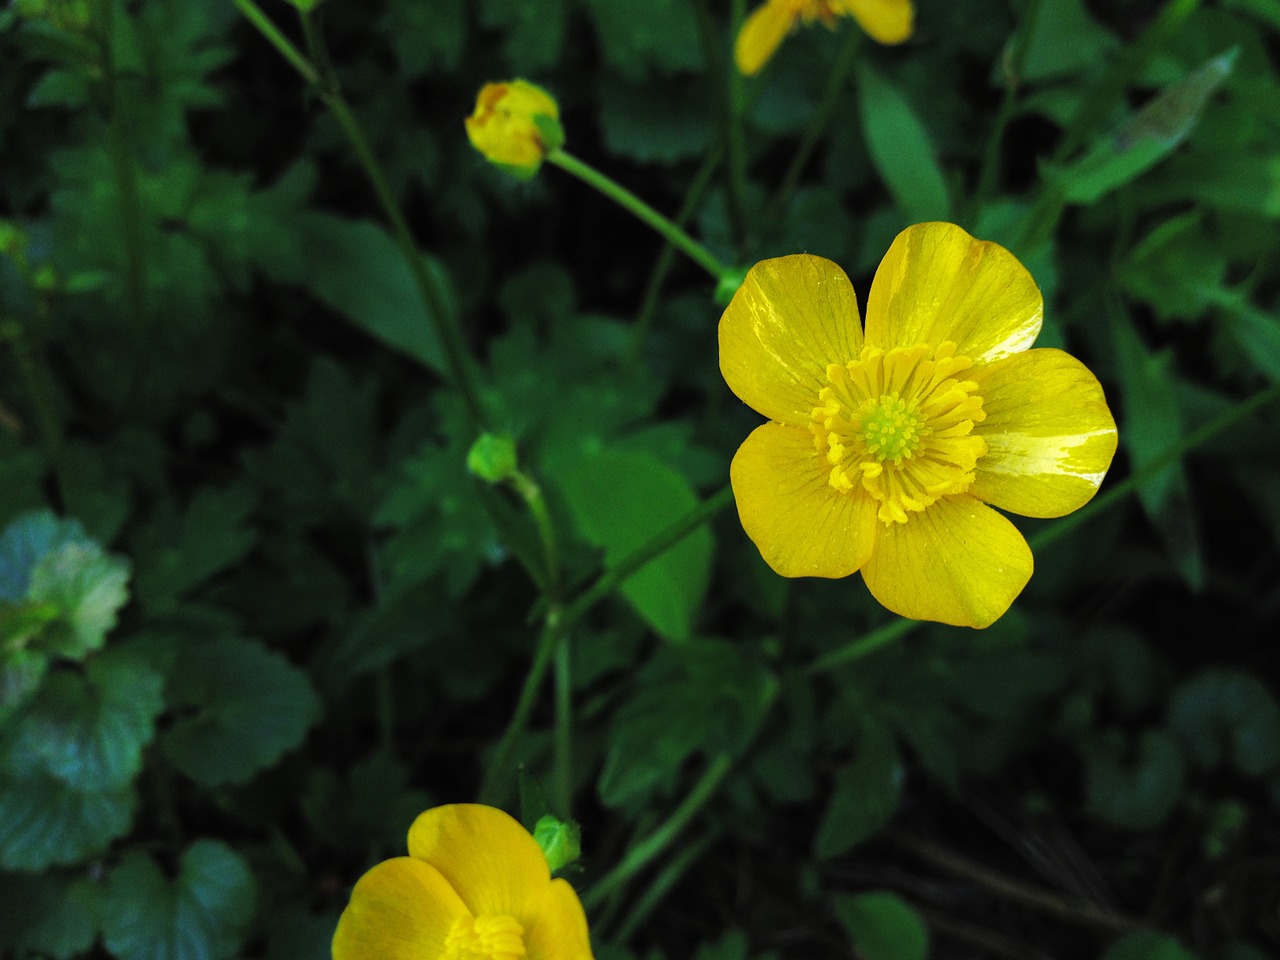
(900, 424)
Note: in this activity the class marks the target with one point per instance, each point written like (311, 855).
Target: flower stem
(531, 493)
(564, 727)
(640, 855)
(628, 200)
(661, 542)
(1130, 484)
(662, 884)
(818, 124)
(432, 295)
(865, 645)
(728, 119)
(490, 791)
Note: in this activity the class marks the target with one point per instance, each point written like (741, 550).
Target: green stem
(818, 124)
(662, 884)
(863, 646)
(628, 200)
(433, 297)
(490, 790)
(644, 852)
(564, 727)
(727, 119)
(1195, 438)
(735, 143)
(1015, 66)
(531, 494)
(278, 40)
(662, 266)
(663, 541)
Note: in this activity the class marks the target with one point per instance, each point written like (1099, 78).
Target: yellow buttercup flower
(886, 21)
(515, 125)
(475, 886)
(887, 445)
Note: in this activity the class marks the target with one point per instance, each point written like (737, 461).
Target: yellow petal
(790, 319)
(1050, 435)
(402, 909)
(490, 859)
(559, 932)
(885, 21)
(761, 34)
(802, 525)
(958, 562)
(937, 283)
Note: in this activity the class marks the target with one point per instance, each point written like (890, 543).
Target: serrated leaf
(53, 914)
(45, 823)
(426, 36)
(88, 729)
(661, 121)
(901, 149)
(245, 707)
(1147, 136)
(1135, 789)
(865, 795)
(1176, 268)
(199, 915)
(20, 674)
(618, 501)
(1064, 40)
(636, 38)
(535, 33)
(1224, 714)
(883, 926)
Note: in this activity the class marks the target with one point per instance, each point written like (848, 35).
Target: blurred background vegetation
(255, 614)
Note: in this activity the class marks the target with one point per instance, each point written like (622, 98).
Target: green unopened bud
(729, 284)
(493, 458)
(560, 840)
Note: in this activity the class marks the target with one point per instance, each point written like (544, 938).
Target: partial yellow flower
(475, 886)
(515, 125)
(886, 21)
(886, 446)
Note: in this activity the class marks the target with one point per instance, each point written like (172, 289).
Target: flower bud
(560, 840)
(492, 458)
(515, 125)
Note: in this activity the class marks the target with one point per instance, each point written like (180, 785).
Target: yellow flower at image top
(515, 125)
(886, 21)
(887, 445)
(475, 886)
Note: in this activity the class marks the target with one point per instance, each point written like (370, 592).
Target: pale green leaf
(883, 926)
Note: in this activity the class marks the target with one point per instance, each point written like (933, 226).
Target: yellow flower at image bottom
(475, 886)
(885, 21)
(888, 447)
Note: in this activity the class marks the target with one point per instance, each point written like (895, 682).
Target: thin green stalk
(727, 119)
(688, 855)
(863, 646)
(433, 297)
(489, 789)
(531, 493)
(564, 727)
(1130, 484)
(662, 266)
(644, 852)
(1015, 67)
(818, 124)
(278, 40)
(628, 200)
(663, 541)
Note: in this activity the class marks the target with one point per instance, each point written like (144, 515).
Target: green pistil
(891, 429)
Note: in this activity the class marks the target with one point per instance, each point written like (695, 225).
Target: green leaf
(1136, 791)
(52, 914)
(865, 795)
(242, 707)
(178, 552)
(1065, 40)
(45, 823)
(901, 149)
(1148, 135)
(358, 270)
(1176, 268)
(637, 38)
(1224, 714)
(199, 915)
(535, 32)
(660, 121)
(883, 926)
(1147, 945)
(88, 729)
(20, 674)
(618, 501)
(426, 36)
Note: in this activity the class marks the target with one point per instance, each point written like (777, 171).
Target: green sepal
(560, 840)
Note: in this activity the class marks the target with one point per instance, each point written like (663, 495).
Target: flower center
(490, 936)
(900, 424)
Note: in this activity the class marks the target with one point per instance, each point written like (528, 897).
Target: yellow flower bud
(515, 125)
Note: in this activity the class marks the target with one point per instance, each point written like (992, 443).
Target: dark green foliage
(256, 613)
